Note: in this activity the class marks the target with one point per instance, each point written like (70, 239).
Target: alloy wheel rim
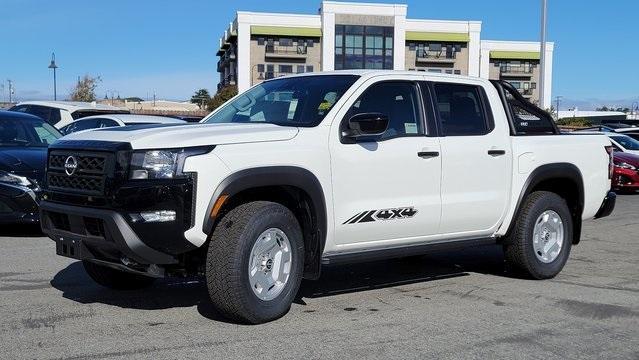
(270, 263)
(548, 236)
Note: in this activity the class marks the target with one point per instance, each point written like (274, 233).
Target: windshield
(27, 132)
(295, 101)
(627, 142)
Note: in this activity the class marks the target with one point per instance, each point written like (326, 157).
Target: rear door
(476, 159)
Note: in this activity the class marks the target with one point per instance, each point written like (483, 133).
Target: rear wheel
(540, 243)
(255, 262)
(116, 279)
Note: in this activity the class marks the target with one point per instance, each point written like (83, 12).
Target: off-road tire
(518, 248)
(228, 256)
(116, 279)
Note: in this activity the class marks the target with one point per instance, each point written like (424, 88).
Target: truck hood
(170, 136)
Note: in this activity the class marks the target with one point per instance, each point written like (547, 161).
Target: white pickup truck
(306, 171)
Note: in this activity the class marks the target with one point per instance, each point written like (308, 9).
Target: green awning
(286, 31)
(436, 36)
(520, 55)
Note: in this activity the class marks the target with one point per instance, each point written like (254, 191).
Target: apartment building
(260, 46)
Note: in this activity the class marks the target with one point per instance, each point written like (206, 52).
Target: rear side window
(461, 110)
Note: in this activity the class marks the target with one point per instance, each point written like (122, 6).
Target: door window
(461, 110)
(398, 101)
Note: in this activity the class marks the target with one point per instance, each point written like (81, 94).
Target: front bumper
(18, 204)
(96, 234)
(607, 206)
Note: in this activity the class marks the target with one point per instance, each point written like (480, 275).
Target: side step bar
(402, 251)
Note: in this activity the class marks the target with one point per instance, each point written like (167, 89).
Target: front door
(387, 189)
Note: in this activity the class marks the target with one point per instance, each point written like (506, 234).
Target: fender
(279, 176)
(549, 172)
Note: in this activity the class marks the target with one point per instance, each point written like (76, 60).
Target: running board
(402, 251)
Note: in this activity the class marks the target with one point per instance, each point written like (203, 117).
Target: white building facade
(350, 35)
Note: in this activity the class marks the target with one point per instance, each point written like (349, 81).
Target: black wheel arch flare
(291, 176)
(550, 172)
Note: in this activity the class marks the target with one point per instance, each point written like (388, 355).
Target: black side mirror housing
(365, 125)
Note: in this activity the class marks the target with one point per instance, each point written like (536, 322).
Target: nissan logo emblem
(70, 164)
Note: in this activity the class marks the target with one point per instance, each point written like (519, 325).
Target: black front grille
(81, 183)
(88, 177)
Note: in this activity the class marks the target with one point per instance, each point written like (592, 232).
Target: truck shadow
(76, 285)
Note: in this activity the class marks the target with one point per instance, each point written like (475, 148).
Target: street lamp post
(542, 58)
(54, 66)
(558, 99)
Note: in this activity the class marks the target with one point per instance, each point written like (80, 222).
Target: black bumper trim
(607, 206)
(120, 233)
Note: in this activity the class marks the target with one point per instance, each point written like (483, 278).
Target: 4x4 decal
(384, 214)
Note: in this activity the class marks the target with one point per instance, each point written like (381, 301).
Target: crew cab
(307, 171)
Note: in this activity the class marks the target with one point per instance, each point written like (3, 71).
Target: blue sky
(138, 47)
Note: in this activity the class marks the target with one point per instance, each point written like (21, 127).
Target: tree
(603, 108)
(222, 96)
(84, 90)
(201, 98)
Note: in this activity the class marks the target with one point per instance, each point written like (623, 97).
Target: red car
(626, 175)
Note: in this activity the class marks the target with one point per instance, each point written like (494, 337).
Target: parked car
(626, 175)
(312, 170)
(105, 121)
(23, 154)
(62, 113)
(620, 142)
(632, 131)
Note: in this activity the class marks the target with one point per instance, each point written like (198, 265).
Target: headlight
(624, 165)
(161, 164)
(13, 179)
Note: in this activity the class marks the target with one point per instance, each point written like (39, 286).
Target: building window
(309, 68)
(270, 71)
(286, 69)
(457, 72)
(300, 69)
(260, 41)
(363, 47)
(286, 42)
(260, 68)
(309, 42)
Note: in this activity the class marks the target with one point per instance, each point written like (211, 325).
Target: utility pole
(3, 97)
(54, 66)
(153, 98)
(10, 90)
(542, 58)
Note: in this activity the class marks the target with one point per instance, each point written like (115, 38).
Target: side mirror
(365, 124)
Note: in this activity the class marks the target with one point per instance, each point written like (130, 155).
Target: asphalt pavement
(460, 304)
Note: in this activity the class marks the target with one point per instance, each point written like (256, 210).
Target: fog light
(154, 216)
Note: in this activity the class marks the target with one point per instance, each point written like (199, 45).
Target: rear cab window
(462, 110)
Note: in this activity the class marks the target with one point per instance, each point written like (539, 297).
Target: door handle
(428, 154)
(496, 152)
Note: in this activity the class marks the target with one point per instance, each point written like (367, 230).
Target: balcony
(226, 81)
(516, 70)
(286, 52)
(258, 77)
(436, 56)
(526, 92)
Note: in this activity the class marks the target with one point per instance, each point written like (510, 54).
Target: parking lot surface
(444, 305)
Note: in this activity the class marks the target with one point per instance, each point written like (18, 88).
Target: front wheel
(255, 261)
(541, 240)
